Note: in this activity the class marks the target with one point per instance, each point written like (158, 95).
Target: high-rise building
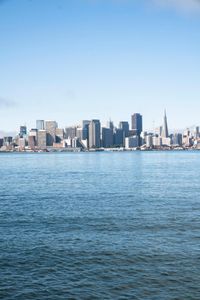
(21, 143)
(22, 131)
(42, 139)
(94, 134)
(124, 125)
(165, 132)
(107, 137)
(110, 125)
(79, 133)
(70, 132)
(40, 124)
(149, 141)
(50, 127)
(59, 135)
(7, 140)
(136, 123)
(31, 142)
(118, 137)
(196, 132)
(177, 139)
(33, 138)
(1, 142)
(85, 129)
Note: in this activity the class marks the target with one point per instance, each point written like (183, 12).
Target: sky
(68, 60)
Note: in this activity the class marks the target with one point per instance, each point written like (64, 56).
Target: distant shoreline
(100, 151)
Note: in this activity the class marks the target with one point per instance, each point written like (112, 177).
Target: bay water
(103, 225)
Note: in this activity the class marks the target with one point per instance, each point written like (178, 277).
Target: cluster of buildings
(91, 136)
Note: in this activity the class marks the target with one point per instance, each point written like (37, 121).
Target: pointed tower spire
(165, 133)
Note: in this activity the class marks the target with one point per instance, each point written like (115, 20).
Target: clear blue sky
(70, 60)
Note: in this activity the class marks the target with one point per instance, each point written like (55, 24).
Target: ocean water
(100, 225)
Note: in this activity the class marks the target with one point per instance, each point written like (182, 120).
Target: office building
(124, 125)
(32, 142)
(40, 124)
(157, 141)
(107, 137)
(94, 134)
(70, 132)
(85, 129)
(149, 141)
(42, 139)
(136, 123)
(50, 127)
(59, 135)
(110, 125)
(23, 131)
(118, 137)
(21, 143)
(177, 139)
(132, 142)
(7, 140)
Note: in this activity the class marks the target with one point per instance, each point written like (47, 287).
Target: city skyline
(70, 60)
(104, 123)
(91, 135)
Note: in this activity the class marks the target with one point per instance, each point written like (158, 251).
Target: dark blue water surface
(100, 225)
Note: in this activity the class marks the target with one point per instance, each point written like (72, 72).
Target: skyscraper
(125, 126)
(70, 132)
(40, 124)
(165, 132)
(107, 137)
(85, 128)
(42, 139)
(23, 131)
(50, 127)
(118, 137)
(94, 134)
(136, 123)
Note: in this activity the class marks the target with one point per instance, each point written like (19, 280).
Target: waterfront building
(136, 122)
(157, 141)
(187, 140)
(124, 125)
(166, 141)
(107, 137)
(21, 143)
(42, 139)
(40, 124)
(50, 127)
(94, 134)
(132, 142)
(68, 142)
(149, 141)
